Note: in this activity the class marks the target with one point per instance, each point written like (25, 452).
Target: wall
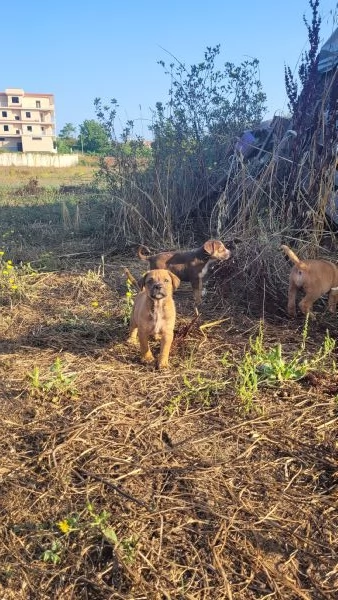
(34, 159)
(36, 142)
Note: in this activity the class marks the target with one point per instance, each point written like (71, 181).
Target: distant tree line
(89, 137)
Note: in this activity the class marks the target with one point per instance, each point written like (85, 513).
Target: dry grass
(120, 482)
(202, 500)
(82, 173)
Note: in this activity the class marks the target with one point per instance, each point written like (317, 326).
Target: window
(29, 128)
(28, 115)
(2, 139)
(17, 131)
(6, 128)
(38, 104)
(17, 118)
(4, 113)
(15, 99)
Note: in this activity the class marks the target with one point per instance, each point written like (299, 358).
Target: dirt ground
(122, 482)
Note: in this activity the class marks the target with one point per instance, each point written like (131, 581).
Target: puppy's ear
(175, 280)
(210, 247)
(142, 282)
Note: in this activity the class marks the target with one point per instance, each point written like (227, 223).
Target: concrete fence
(35, 159)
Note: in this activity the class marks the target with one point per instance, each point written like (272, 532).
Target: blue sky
(110, 49)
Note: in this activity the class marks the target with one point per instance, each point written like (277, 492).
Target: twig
(114, 487)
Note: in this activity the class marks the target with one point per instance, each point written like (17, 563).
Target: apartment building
(27, 121)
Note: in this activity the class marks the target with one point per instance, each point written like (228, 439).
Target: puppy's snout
(158, 289)
(225, 254)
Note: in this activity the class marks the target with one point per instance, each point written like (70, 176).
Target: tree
(67, 139)
(206, 100)
(68, 131)
(93, 137)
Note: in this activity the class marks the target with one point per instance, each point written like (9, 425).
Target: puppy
(316, 277)
(190, 266)
(154, 314)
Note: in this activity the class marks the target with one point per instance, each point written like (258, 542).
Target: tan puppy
(154, 314)
(190, 266)
(316, 277)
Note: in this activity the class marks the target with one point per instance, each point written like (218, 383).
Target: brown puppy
(154, 314)
(190, 266)
(316, 277)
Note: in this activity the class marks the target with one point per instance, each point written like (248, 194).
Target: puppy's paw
(147, 358)
(163, 364)
(132, 340)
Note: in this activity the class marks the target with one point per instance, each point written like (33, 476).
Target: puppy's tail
(141, 255)
(294, 258)
(131, 279)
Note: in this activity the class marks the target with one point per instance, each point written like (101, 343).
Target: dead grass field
(48, 176)
(119, 482)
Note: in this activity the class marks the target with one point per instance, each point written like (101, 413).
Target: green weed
(13, 279)
(101, 521)
(56, 385)
(128, 301)
(262, 366)
(91, 520)
(52, 554)
(199, 390)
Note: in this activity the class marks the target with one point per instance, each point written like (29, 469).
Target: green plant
(56, 385)
(198, 390)
(93, 137)
(101, 521)
(307, 69)
(247, 380)
(34, 379)
(52, 554)
(128, 546)
(13, 279)
(270, 366)
(9, 281)
(153, 192)
(128, 301)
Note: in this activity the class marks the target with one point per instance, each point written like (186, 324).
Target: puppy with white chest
(316, 278)
(154, 314)
(192, 266)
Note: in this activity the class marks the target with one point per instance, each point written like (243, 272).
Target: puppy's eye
(166, 281)
(150, 280)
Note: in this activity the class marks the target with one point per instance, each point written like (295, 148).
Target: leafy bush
(154, 191)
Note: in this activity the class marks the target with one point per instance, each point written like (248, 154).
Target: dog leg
(333, 299)
(306, 304)
(292, 299)
(146, 353)
(197, 286)
(133, 331)
(166, 341)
